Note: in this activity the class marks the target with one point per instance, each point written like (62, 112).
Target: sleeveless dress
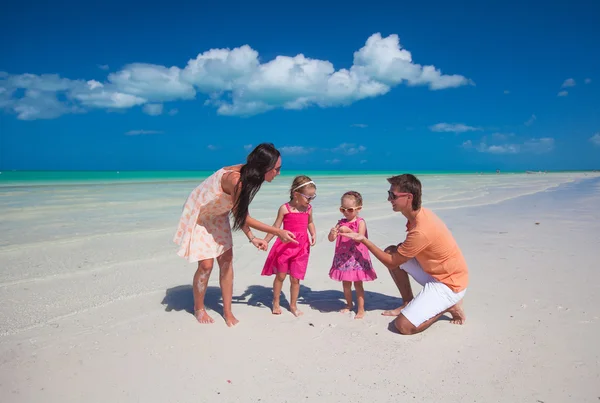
(289, 257)
(351, 261)
(204, 230)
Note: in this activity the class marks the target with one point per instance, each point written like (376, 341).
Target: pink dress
(351, 261)
(289, 257)
(204, 231)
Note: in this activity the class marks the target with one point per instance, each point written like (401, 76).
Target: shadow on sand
(181, 298)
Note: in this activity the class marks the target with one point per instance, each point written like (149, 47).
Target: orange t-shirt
(434, 247)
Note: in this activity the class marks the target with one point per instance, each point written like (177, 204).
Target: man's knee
(404, 326)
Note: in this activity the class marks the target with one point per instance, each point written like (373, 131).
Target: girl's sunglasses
(313, 197)
(349, 209)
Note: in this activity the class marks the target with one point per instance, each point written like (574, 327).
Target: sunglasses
(394, 196)
(349, 209)
(313, 197)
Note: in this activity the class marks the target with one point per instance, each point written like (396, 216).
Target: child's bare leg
(277, 285)
(199, 290)
(360, 299)
(348, 295)
(294, 291)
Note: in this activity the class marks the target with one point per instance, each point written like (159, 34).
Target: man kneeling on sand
(429, 254)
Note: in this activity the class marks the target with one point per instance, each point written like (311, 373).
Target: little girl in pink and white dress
(351, 261)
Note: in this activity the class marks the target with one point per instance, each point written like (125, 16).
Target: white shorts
(434, 298)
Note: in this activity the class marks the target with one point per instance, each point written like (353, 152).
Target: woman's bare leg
(200, 283)
(226, 281)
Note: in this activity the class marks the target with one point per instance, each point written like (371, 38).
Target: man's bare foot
(346, 309)
(458, 315)
(230, 320)
(394, 312)
(297, 312)
(276, 309)
(360, 314)
(202, 316)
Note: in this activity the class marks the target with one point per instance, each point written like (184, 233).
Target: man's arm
(390, 260)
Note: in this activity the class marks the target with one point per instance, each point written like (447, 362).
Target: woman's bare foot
(297, 312)
(276, 309)
(230, 320)
(458, 315)
(360, 314)
(202, 316)
(346, 309)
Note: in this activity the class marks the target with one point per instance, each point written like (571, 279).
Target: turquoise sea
(15, 178)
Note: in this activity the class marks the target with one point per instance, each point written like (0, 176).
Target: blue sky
(190, 85)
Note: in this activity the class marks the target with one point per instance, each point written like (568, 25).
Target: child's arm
(333, 233)
(282, 211)
(311, 229)
(362, 228)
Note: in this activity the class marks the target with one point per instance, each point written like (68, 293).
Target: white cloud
(452, 127)
(569, 82)
(563, 93)
(595, 139)
(153, 109)
(506, 92)
(501, 136)
(531, 146)
(138, 132)
(103, 66)
(359, 125)
(173, 112)
(236, 82)
(530, 121)
(248, 147)
(212, 147)
(294, 150)
(349, 149)
(588, 80)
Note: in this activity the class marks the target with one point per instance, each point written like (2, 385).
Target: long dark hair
(252, 174)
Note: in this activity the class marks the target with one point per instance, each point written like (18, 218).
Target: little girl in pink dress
(351, 261)
(284, 259)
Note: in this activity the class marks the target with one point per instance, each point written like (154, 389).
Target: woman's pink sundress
(204, 230)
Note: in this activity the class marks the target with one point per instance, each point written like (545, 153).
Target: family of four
(429, 253)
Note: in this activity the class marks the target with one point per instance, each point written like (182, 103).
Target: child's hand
(313, 240)
(345, 230)
(334, 231)
(260, 244)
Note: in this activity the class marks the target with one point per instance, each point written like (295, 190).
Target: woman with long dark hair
(204, 232)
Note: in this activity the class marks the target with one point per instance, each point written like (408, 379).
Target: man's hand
(352, 235)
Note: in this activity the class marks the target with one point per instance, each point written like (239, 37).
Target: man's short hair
(408, 183)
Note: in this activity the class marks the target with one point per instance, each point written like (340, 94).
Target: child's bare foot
(360, 314)
(202, 316)
(458, 315)
(297, 312)
(230, 320)
(346, 309)
(276, 309)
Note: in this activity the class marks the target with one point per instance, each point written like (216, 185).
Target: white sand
(96, 305)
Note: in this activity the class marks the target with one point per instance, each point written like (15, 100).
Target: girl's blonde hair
(299, 181)
(355, 195)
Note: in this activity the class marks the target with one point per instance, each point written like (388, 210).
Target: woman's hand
(260, 244)
(286, 236)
